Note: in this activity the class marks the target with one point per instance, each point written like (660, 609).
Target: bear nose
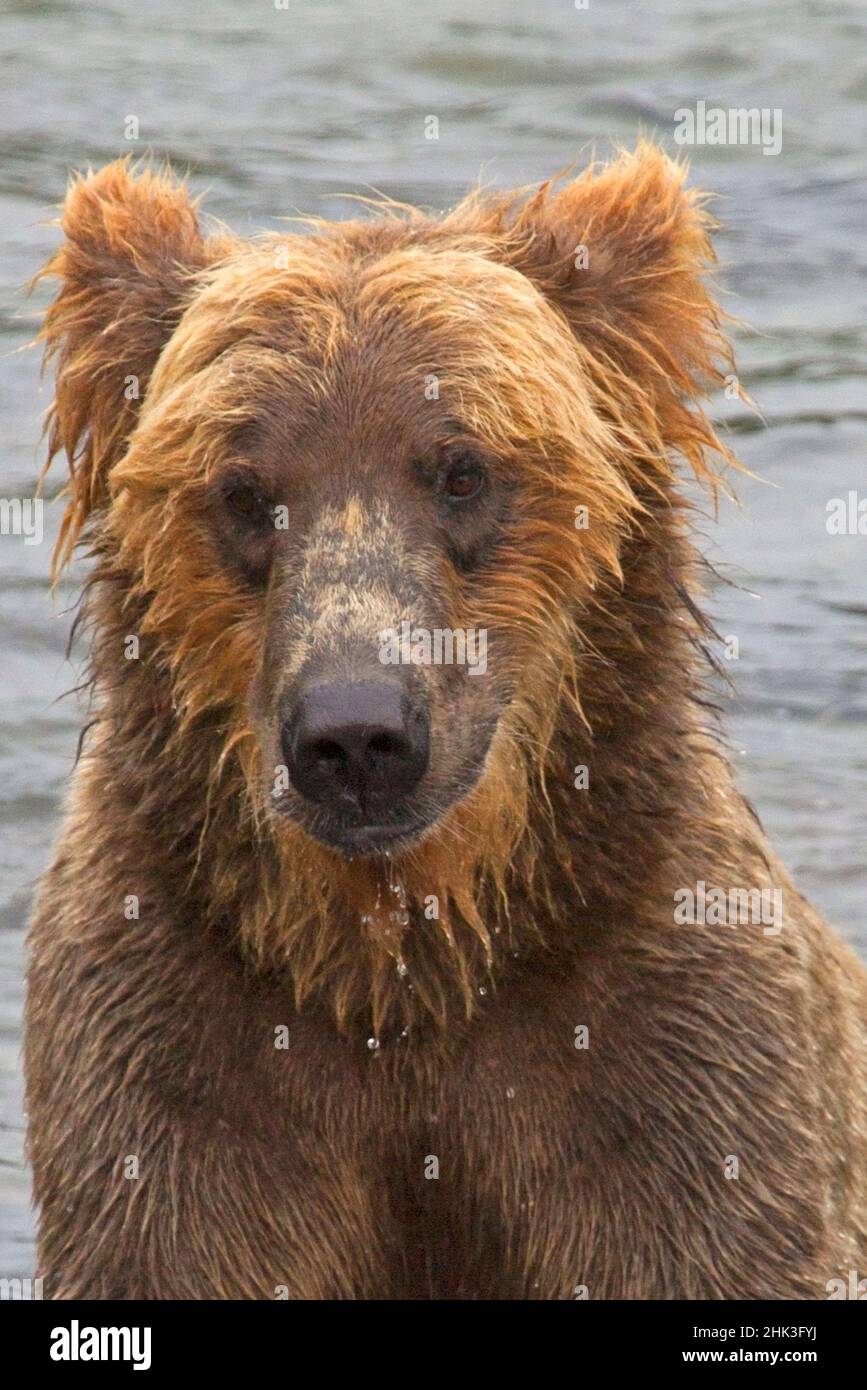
(356, 746)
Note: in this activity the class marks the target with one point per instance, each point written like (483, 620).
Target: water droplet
(510, 1093)
(402, 969)
(482, 989)
(373, 1044)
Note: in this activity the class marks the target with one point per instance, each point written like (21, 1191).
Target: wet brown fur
(304, 1167)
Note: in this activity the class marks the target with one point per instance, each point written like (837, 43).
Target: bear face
(291, 463)
(373, 498)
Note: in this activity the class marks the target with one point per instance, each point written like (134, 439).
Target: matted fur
(154, 1036)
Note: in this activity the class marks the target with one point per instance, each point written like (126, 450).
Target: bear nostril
(329, 754)
(362, 743)
(385, 744)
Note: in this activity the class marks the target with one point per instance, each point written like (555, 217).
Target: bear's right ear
(126, 268)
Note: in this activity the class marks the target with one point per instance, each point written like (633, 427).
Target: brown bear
(407, 937)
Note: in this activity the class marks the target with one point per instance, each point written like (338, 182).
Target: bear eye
(246, 502)
(462, 479)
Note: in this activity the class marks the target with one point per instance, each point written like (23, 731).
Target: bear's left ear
(126, 269)
(623, 252)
